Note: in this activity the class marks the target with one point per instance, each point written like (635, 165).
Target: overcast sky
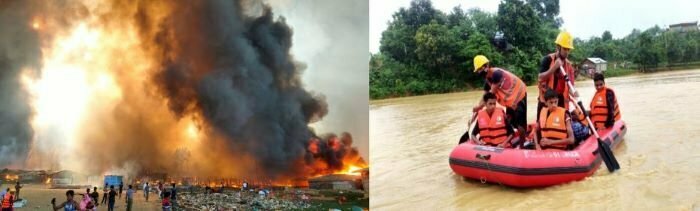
(582, 18)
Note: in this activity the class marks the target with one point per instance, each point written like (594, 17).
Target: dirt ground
(39, 198)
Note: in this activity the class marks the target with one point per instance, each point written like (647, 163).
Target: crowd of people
(89, 200)
(9, 197)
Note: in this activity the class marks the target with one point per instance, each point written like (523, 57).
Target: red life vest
(560, 87)
(7, 202)
(599, 108)
(510, 90)
(492, 129)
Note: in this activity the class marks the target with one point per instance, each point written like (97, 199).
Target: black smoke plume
(19, 49)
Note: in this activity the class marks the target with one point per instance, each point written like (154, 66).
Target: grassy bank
(670, 67)
(619, 72)
(678, 66)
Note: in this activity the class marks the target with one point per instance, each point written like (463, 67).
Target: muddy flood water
(411, 139)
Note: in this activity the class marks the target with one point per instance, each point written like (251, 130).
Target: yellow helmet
(479, 61)
(564, 39)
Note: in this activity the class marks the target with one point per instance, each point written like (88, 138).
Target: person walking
(104, 194)
(95, 196)
(146, 191)
(129, 198)
(112, 198)
(17, 188)
(121, 186)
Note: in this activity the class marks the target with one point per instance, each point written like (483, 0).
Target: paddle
(465, 136)
(603, 148)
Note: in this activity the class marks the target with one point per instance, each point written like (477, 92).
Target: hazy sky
(582, 18)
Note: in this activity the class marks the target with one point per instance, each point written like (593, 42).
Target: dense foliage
(424, 50)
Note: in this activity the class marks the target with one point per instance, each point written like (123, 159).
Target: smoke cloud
(330, 37)
(197, 88)
(19, 49)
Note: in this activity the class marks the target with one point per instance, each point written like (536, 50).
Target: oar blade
(615, 164)
(607, 156)
(464, 137)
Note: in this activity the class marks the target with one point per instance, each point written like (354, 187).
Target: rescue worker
(604, 108)
(509, 90)
(491, 124)
(8, 201)
(550, 76)
(554, 125)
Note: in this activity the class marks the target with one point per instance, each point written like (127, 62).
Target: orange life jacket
(492, 129)
(560, 87)
(553, 125)
(7, 202)
(599, 108)
(510, 90)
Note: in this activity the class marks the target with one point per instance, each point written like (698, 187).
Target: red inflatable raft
(532, 168)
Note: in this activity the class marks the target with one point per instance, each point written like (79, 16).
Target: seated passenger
(604, 108)
(579, 124)
(554, 125)
(491, 124)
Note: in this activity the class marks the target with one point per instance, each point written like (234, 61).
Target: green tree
(647, 55)
(675, 45)
(583, 50)
(484, 22)
(605, 50)
(435, 48)
(457, 17)
(607, 36)
(524, 63)
(628, 45)
(460, 24)
(398, 41)
(547, 10)
(692, 47)
(421, 12)
(478, 44)
(521, 25)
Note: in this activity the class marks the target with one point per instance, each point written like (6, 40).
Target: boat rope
(483, 180)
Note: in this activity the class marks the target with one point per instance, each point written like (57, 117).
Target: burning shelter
(66, 179)
(335, 182)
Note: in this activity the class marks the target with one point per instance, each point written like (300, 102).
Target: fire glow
(134, 98)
